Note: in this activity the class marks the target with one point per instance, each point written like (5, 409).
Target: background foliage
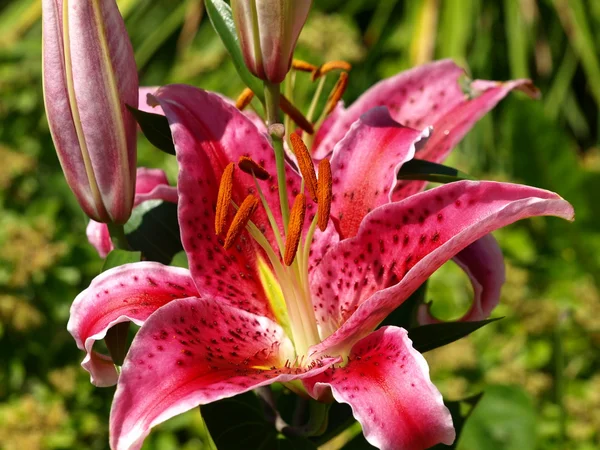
(538, 367)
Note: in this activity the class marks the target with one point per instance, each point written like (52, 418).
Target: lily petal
(399, 245)
(365, 163)
(130, 292)
(483, 262)
(386, 382)
(449, 129)
(192, 352)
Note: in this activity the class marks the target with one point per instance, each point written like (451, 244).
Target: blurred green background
(538, 366)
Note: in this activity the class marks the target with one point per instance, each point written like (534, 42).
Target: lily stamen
(244, 99)
(303, 66)
(295, 114)
(242, 216)
(324, 193)
(224, 198)
(336, 93)
(294, 229)
(251, 167)
(330, 66)
(305, 164)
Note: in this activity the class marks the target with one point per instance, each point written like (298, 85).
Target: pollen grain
(294, 229)
(244, 99)
(242, 216)
(324, 194)
(248, 165)
(224, 198)
(305, 163)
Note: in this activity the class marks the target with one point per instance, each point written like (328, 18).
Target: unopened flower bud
(89, 78)
(268, 31)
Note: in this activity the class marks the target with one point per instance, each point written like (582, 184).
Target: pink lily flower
(150, 184)
(240, 319)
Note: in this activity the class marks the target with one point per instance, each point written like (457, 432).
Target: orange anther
(294, 229)
(303, 66)
(242, 216)
(295, 115)
(244, 99)
(330, 66)
(324, 194)
(224, 198)
(305, 163)
(336, 93)
(248, 165)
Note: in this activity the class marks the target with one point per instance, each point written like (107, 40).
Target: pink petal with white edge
(208, 134)
(416, 98)
(399, 245)
(483, 262)
(386, 382)
(193, 352)
(449, 129)
(126, 293)
(150, 184)
(364, 165)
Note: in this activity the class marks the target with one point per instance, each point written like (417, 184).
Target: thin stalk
(272, 112)
(117, 235)
(308, 138)
(269, 215)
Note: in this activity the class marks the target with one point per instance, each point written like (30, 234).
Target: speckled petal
(209, 134)
(386, 382)
(399, 245)
(193, 352)
(364, 165)
(126, 293)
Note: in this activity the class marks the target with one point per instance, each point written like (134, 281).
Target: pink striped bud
(89, 77)
(268, 31)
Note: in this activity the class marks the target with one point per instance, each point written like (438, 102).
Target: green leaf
(418, 169)
(153, 229)
(219, 13)
(239, 422)
(505, 419)
(156, 129)
(119, 257)
(429, 337)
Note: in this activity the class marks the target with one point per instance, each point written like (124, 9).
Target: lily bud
(89, 77)
(268, 31)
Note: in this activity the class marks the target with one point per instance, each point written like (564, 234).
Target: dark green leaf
(153, 229)
(418, 169)
(429, 337)
(459, 417)
(239, 422)
(220, 15)
(156, 129)
(404, 315)
(119, 257)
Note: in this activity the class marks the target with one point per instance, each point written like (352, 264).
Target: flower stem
(272, 108)
(117, 235)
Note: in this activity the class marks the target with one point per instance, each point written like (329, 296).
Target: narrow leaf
(156, 129)
(221, 17)
(418, 169)
(119, 257)
(429, 337)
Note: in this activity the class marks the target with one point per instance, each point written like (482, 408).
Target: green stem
(272, 110)
(117, 235)
(318, 419)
